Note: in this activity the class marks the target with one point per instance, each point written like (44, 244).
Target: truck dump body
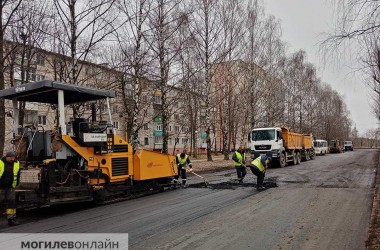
(295, 140)
(307, 141)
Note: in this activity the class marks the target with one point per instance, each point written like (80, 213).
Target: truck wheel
(307, 156)
(282, 160)
(298, 158)
(312, 155)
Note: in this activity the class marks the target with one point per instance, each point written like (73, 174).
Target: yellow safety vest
(240, 157)
(257, 162)
(183, 161)
(16, 168)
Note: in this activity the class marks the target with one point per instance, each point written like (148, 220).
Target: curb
(373, 237)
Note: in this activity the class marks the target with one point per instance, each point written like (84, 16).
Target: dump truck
(81, 159)
(336, 146)
(282, 145)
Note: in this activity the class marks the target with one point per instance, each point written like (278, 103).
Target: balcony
(157, 133)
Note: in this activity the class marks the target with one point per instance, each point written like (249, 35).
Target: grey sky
(303, 22)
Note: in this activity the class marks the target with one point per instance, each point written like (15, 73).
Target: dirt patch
(218, 164)
(373, 241)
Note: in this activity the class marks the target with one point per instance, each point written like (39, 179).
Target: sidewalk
(217, 163)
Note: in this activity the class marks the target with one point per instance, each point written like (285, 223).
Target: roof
(47, 92)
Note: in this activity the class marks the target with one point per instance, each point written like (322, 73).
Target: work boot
(175, 183)
(184, 184)
(260, 188)
(13, 222)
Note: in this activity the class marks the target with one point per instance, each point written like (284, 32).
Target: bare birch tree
(358, 25)
(8, 8)
(130, 37)
(165, 19)
(209, 40)
(85, 25)
(27, 37)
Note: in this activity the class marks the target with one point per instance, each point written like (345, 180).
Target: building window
(146, 127)
(40, 77)
(17, 74)
(177, 140)
(176, 129)
(159, 127)
(114, 108)
(176, 117)
(103, 108)
(145, 99)
(146, 141)
(157, 100)
(116, 125)
(32, 75)
(128, 90)
(40, 59)
(170, 128)
(170, 141)
(42, 119)
(158, 139)
(184, 141)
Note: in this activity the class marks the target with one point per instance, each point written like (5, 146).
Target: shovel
(204, 179)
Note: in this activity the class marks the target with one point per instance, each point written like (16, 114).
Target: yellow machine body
(119, 166)
(151, 165)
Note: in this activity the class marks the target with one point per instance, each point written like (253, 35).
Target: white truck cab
(266, 141)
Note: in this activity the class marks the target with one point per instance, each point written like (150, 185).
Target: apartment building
(36, 65)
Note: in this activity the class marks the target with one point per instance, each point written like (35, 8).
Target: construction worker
(258, 168)
(239, 159)
(9, 179)
(182, 161)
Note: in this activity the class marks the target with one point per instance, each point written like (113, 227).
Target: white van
(348, 146)
(320, 147)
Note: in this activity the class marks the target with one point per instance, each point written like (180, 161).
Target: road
(320, 204)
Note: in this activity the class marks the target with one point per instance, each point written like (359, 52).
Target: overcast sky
(303, 22)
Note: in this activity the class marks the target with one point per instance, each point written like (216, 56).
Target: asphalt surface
(320, 204)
